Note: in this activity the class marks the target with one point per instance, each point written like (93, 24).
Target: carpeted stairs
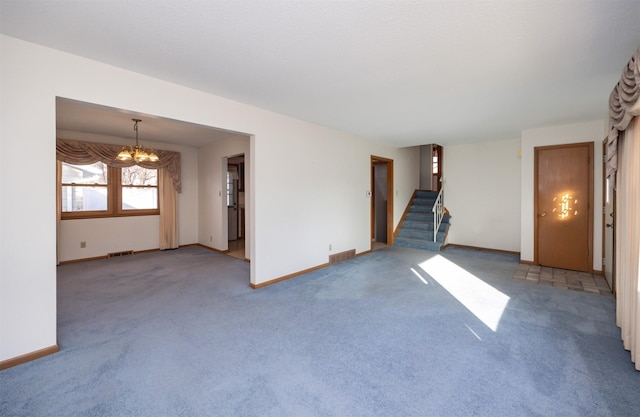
(416, 230)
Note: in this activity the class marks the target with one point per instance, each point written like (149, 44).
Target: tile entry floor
(377, 245)
(563, 278)
(236, 249)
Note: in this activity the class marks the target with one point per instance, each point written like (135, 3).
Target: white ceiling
(92, 118)
(402, 72)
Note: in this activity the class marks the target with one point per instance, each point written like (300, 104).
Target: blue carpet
(180, 333)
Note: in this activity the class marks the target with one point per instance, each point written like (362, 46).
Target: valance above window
(79, 153)
(622, 108)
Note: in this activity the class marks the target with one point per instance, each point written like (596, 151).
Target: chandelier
(137, 153)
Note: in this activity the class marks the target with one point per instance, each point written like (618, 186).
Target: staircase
(416, 230)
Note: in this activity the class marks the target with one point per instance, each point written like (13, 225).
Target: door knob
(544, 213)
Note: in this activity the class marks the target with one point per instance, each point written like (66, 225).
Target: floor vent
(342, 256)
(123, 253)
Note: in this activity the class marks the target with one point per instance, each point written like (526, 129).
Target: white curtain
(168, 211)
(628, 240)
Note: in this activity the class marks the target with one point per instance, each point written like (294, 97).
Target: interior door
(564, 184)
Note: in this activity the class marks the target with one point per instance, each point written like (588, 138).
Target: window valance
(622, 100)
(76, 152)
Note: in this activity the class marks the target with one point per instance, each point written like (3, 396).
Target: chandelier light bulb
(137, 153)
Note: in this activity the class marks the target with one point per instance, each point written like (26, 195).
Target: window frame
(114, 188)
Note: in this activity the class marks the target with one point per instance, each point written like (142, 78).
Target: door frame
(590, 198)
(228, 161)
(378, 160)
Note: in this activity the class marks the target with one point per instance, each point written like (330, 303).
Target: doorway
(563, 206)
(431, 167)
(235, 189)
(436, 167)
(381, 202)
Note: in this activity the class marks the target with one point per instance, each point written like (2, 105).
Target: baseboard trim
(286, 277)
(95, 258)
(28, 357)
(73, 261)
(481, 248)
(135, 252)
(211, 248)
(526, 262)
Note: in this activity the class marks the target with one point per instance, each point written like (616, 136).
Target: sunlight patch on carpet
(481, 299)
(419, 276)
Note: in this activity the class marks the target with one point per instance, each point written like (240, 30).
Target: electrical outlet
(211, 238)
(83, 245)
(330, 246)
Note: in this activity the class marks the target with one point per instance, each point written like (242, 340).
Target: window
(84, 187)
(436, 165)
(230, 201)
(98, 190)
(139, 188)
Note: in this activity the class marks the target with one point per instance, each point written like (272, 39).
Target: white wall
(426, 168)
(594, 131)
(103, 236)
(297, 206)
(212, 168)
(319, 195)
(482, 193)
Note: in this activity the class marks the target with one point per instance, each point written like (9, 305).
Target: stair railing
(438, 212)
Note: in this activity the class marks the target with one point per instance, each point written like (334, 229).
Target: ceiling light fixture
(137, 153)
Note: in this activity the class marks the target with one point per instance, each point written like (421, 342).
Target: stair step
(427, 194)
(425, 217)
(415, 208)
(424, 201)
(418, 208)
(417, 228)
(425, 235)
(417, 244)
(426, 226)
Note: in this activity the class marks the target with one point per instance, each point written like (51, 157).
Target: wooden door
(564, 213)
